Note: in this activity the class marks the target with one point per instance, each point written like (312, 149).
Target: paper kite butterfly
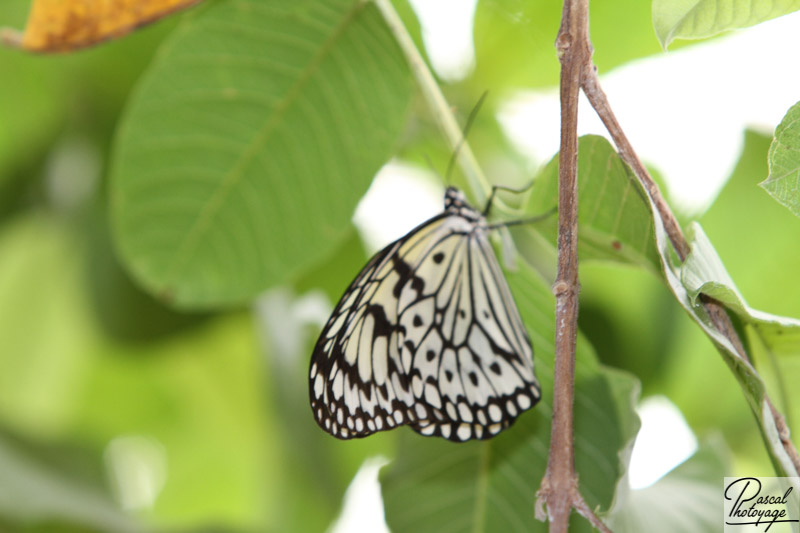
(427, 335)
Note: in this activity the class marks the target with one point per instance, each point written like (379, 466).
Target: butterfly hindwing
(426, 335)
(357, 382)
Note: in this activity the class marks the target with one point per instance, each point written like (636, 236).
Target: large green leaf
(631, 320)
(697, 19)
(435, 485)
(614, 222)
(249, 142)
(783, 182)
(749, 380)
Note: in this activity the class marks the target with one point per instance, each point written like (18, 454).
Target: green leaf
(749, 380)
(631, 320)
(614, 222)
(250, 141)
(435, 485)
(698, 19)
(123, 309)
(783, 182)
(703, 272)
(687, 499)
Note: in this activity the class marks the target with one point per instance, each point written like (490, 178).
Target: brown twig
(559, 489)
(715, 310)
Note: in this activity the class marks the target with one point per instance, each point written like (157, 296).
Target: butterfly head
(454, 199)
(455, 203)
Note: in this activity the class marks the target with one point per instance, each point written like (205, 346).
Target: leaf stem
(474, 176)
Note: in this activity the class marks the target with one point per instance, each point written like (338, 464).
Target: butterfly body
(427, 335)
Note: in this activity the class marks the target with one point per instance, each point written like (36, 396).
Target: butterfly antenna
(530, 220)
(495, 188)
(464, 132)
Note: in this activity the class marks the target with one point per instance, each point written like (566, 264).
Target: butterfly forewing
(426, 335)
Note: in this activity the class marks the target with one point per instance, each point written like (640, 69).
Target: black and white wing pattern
(427, 335)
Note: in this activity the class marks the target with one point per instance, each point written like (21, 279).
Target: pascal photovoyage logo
(762, 504)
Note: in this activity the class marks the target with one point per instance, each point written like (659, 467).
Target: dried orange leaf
(63, 25)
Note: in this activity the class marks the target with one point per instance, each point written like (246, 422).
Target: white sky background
(685, 112)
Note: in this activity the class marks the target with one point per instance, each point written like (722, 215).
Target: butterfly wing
(468, 355)
(426, 335)
(357, 383)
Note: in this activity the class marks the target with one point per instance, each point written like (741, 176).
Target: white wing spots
(426, 335)
(511, 408)
(464, 413)
(416, 386)
(338, 386)
(523, 401)
(432, 396)
(318, 385)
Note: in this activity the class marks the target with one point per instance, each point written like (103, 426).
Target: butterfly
(427, 335)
